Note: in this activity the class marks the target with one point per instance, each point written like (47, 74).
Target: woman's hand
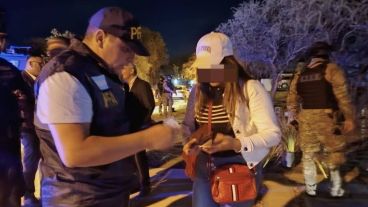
(222, 143)
(189, 146)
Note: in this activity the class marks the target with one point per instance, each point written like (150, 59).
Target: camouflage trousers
(167, 103)
(319, 133)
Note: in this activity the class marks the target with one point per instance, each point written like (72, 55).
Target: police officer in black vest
(86, 144)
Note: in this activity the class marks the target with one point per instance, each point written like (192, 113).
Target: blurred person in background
(141, 108)
(30, 141)
(159, 92)
(166, 97)
(172, 92)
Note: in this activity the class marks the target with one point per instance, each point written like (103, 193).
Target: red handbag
(233, 183)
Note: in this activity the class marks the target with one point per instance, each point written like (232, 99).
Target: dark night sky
(181, 22)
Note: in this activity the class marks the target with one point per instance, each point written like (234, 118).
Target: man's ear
(100, 38)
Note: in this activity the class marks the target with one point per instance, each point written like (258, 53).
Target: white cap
(211, 49)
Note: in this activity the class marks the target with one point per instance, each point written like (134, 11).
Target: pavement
(283, 187)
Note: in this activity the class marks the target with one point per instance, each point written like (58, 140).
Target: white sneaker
(337, 192)
(336, 183)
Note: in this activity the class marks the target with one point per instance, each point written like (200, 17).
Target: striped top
(219, 115)
(220, 121)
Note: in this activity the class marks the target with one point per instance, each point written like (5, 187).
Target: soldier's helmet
(319, 49)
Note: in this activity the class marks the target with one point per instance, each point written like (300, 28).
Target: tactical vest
(316, 92)
(87, 186)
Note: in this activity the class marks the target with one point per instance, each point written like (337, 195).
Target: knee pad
(308, 156)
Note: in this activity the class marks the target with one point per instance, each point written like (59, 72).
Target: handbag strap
(209, 127)
(209, 119)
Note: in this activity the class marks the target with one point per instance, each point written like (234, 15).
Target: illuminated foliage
(272, 34)
(148, 67)
(188, 72)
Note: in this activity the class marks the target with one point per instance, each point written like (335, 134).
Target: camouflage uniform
(319, 128)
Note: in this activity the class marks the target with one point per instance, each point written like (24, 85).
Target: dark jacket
(143, 103)
(27, 104)
(11, 86)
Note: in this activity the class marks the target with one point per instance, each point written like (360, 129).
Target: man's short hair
(134, 67)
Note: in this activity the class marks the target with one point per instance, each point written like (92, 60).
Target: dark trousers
(32, 155)
(143, 169)
(11, 178)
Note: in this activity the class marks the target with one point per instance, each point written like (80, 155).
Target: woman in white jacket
(243, 119)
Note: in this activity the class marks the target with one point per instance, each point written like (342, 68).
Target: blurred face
(127, 72)
(35, 64)
(116, 53)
